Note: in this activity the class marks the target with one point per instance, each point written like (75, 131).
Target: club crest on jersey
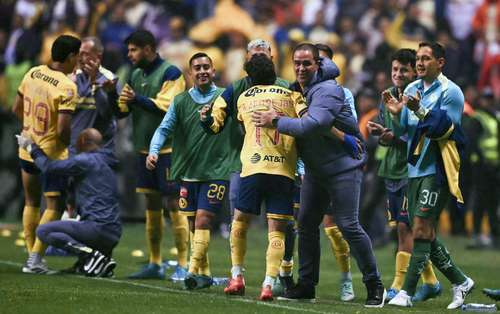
(183, 203)
(255, 158)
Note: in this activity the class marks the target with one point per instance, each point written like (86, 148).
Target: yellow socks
(340, 248)
(205, 266)
(428, 275)
(154, 234)
(48, 216)
(275, 252)
(180, 229)
(201, 240)
(402, 262)
(31, 217)
(238, 240)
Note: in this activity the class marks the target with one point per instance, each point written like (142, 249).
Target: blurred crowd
(363, 35)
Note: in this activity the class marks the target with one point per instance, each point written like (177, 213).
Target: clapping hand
(412, 102)
(392, 104)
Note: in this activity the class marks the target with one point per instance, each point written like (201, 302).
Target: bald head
(89, 140)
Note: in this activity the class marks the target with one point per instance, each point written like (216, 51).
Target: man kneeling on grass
(99, 229)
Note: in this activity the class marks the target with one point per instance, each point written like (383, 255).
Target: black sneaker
(376, 294)
(77, 267)
(300, 292)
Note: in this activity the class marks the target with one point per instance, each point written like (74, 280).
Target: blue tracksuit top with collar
(96, 184)
(94, 108)
(442, 93)
(323, 154)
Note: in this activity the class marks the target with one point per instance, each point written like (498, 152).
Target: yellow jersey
(265, 150)
(45, 94)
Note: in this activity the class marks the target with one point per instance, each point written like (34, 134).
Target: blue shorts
(156, 180)
(296, 197)
(397, 206)
(52, 185)
(275, 190)
(206, 195)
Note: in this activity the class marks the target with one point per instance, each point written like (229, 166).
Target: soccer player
(332, 174)
(99, 229)
(150, 90)
(393, 168)
(223, 115)
(430, 113)
(199, 160)
(268, 162)
(44, 104)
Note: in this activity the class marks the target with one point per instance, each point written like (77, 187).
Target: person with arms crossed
(151, 87)
(198, 159)
(332, 175)
(45, 103)
(98, 231)
(430, 112)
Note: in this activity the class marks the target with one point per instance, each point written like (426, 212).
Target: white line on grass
(143, 285)
(235, 299)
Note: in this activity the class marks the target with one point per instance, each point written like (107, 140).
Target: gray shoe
(36, 265)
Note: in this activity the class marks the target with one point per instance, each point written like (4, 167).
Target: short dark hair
(405, 56)
(307, 46)
(437, 49)
(326, 49)
(261, 70)
(63, 46)
(199, 55)
(141, 38)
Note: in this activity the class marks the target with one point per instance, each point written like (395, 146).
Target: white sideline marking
(221, 297)
(143, 285)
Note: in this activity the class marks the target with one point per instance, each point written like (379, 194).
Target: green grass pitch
(23, 293)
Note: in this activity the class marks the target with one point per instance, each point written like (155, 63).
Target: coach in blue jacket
(332, 175)
(99, 229)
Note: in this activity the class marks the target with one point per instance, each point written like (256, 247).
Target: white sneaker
(36, 265)
(401, 299)
(459, 293)
(346, 291)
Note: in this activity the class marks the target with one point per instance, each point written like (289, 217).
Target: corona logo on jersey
(37, 74)
(258, 90)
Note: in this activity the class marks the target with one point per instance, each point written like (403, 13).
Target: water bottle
(476, 307)
(220, 281)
